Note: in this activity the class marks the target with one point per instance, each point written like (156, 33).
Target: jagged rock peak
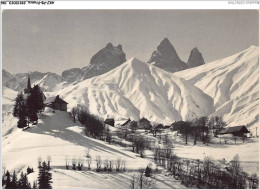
(119, 47)
(109, 45)
(166, 57)
(165, 41)
(105, 60)
(195, 58)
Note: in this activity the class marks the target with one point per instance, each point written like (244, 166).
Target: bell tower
(29, 88)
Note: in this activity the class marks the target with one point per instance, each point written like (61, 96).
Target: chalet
(176, 126)
(122, 122)
(235, 131)
(56, 103)
(167, 126)
(157, 128)
(126, 123)
(110, 121)
(143, 124)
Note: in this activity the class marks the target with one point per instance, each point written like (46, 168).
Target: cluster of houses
(145, 124)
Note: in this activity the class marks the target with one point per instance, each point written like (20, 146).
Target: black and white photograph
(130, 98)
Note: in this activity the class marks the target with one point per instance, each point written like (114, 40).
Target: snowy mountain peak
(195, 58)
(166, 57)
(137, 89)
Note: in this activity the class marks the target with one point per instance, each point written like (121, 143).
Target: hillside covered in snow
(233, 85)
(57, 136)
(137, 89)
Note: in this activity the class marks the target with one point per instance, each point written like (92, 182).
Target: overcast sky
(56, 40)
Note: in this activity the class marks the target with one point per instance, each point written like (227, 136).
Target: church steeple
(29, 83)
(29, 88)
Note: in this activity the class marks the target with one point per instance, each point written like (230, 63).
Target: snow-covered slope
(232, 82)
(8, 100)
(137, 89)
(56, 135)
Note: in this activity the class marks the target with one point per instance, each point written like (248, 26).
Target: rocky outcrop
(166, 57)
(105, 60)
(195, 58)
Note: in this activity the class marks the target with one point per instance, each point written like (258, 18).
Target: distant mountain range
(105, 60)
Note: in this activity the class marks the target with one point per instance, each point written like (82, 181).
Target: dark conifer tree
(20, 181)
(8, 180)
(39, 98)
(20, 111)
(31, 104)
(18, 104)
(14, 182)
(44, 177)
(148, 171)
(22, 122)
(35, 185)
(27, 185)
(23, 182)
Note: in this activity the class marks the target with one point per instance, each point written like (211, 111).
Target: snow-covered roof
(53, 99)
(50, 100)
(122, 122)
(235, 129)
(144, 120)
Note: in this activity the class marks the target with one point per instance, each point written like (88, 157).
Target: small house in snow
(176, 126)
(122, 122)
(126, 123)
(144, 124)
(236, 131)
(110, 121)
(56, 103)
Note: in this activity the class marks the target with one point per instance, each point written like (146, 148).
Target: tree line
(200, 128)
(44, 178)
(27, 106)
(206, 174)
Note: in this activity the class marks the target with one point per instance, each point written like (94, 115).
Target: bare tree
(133, 181)
(73, 162)
(111, 165)
(106, 165)
(98, 162)
(89, 161)
(74, 112)
(49, 161)
(67, 162)
(80, 164)
(123, 165)
(118, 163)
(88, 153)
(39, 161)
